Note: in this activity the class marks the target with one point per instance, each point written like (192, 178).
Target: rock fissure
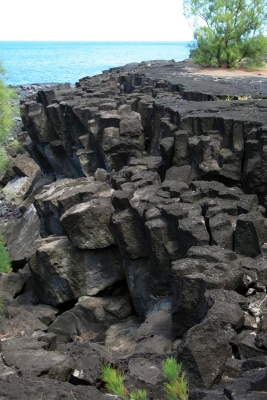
(143, 201)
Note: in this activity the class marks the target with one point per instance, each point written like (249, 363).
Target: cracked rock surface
(143, 226)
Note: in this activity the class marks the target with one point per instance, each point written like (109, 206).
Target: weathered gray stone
(221, 230)
(88, 225)
(181, 149)
(26, 166)
(121, 337)
(12, 282)
(247, 203)
(166, 149)
(192, 232)
(250, 234)
(30, 389)
(203, 353)
(155, 335)
(138, 279)
(60, 196)
(130, 234)
(180, 174)
(159, 259)
(16, 188)
(20, 243)
(28, 356)
(192, 278)
(89, 320)
(145, 374)
(60, 264)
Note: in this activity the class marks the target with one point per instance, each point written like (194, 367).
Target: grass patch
(5, 261)
(4, 161)
(113, 380)
(139, 394)
(176, 386)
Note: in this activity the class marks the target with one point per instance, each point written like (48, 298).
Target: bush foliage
(233, 31)
(176, 386)
(113, 380)
(5, 261)
(7, 111)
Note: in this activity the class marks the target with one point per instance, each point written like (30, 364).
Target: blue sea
(42, 62)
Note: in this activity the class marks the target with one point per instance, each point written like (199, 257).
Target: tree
(7, 111)
(233, 31)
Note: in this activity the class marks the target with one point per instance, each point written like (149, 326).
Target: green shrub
(138, 394)
(7, 113)
(5, 261)
(4, 161)
(177, 385)
(113, 380)
(114, 384)
(233, 33)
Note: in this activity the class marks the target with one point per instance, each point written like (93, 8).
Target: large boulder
(16, 189)
(88, 225)
(250, 234)
(12, 282)
(26, 166)
(90, 319)
(62, 272)
(205, 268)
(60, 196)
(20, 241)
(203, 353)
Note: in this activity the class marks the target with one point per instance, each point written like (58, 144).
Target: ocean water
(42, 62)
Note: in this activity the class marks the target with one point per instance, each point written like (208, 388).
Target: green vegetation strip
(176, 386)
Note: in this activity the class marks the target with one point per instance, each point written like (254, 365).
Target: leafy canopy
(233, 31)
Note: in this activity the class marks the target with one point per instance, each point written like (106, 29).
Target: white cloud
(92, 20)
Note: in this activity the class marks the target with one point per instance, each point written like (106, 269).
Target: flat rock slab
(28, 356)
(47, 389)
(188, 78)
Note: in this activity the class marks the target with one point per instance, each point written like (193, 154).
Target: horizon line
(97, 41)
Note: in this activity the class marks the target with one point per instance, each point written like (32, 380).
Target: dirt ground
(223, 72)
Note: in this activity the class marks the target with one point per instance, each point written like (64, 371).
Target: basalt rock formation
(151, 238)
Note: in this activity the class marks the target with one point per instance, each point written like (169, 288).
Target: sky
(94, 20)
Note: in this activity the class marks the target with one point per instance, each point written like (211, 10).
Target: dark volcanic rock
(251, 234)
(203, 353)
(15, 388)
(30, 359)
(61, 272)
(156, 226)
(88, 225)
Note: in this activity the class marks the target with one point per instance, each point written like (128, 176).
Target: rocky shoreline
(141, 234)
